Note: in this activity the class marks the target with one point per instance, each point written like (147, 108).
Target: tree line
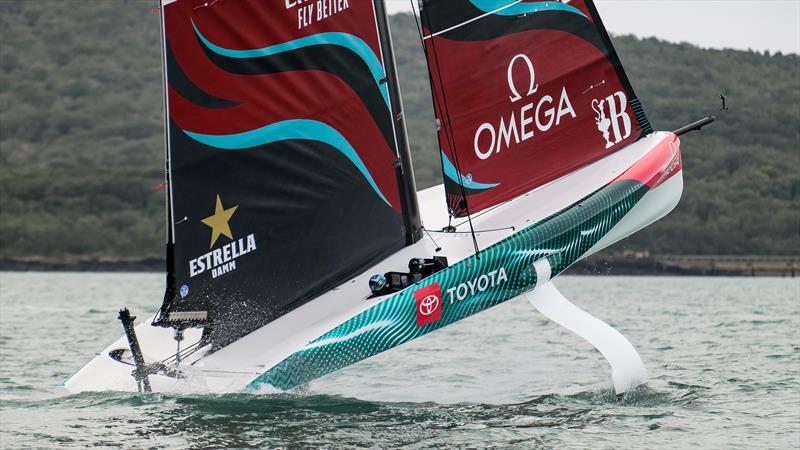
(81, 135)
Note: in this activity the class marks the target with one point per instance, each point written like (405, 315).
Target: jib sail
(525, 92)
(283, 160)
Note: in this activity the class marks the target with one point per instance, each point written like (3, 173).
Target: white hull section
(233, 367)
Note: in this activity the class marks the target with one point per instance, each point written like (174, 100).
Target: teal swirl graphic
(286, 130)
(344, 40)
(516, 7)
(452, 173)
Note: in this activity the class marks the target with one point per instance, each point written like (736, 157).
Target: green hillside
(81, 134)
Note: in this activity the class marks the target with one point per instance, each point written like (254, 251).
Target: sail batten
(526, 92)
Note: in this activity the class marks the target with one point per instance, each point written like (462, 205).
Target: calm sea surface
(723, 356)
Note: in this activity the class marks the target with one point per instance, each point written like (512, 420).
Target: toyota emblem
(428, 305)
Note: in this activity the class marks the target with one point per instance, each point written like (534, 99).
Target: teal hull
(466, 287)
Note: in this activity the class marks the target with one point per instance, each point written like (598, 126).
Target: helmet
(377, 283)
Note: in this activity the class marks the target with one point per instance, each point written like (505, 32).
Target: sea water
(723, 356)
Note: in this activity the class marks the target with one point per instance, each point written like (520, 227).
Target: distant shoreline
(82, 265)
(690, 265)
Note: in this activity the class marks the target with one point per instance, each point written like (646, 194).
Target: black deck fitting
(140, 374)
(695, 126)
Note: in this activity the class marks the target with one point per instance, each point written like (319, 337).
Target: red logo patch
(429, 304)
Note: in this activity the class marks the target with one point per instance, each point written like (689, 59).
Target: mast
(170, 222)
(408, 187)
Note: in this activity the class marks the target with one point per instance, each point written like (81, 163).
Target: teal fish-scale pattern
(562, 238)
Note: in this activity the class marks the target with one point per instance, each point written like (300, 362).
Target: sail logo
(612, 118)
(221, 260)
(312, 11)
(428, 304)
(477, 285)
(532, 86)
(526, 118)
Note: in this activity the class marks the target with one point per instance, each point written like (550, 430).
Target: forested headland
(81, 135)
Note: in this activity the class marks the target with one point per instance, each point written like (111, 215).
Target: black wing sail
(282, 155)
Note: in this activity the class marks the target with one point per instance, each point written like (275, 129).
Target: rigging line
(238, 372)
(450, 139)
(186, 352)
(432, 239)
(205, 5)
(487, 210)
(488, 230)
(447, 136)
(472, 20)
(434, 100)
(419, 28)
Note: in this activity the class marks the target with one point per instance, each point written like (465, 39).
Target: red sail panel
(525, 93)
(282, 156)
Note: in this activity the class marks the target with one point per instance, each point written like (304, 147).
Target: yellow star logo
(219, 222)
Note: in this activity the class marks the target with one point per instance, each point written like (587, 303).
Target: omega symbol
(532, 86)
